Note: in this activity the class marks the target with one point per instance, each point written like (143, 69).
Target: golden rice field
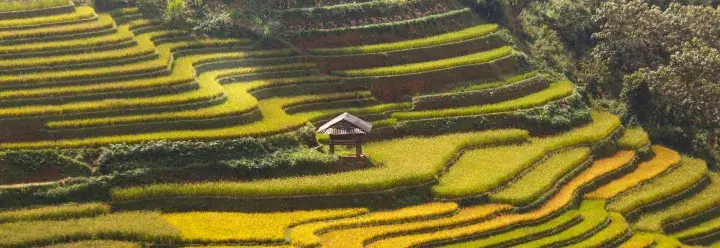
(505, 168)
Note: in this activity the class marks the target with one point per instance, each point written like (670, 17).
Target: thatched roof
(346, 124)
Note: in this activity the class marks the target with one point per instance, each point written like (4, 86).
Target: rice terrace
(359, 123)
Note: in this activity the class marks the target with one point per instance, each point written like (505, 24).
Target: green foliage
(29, 165)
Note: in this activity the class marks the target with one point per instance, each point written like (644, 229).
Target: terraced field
(471, 147)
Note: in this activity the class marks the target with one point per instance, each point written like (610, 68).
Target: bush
(33, 165)
(285, 150)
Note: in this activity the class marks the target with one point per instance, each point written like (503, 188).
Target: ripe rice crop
(97, 244)
(634, 138)
(556, 91)
(183, 68)
(474, 58)
(357, 237)
(704, 200)
(523, 233)
(689, 172)
(122, 35)
(143, 48)
(130, 226)
(59, 212)
(540, 179)
(557, 203)
(492, 164)
(701, 229)
(30, 5)
(275, 121)
(465, 34)
(639, 240)
(593, 215)
(306, 235)
(83, 12)
(664, 159)
(423, 159)
(489, 85)
(618, 227)
(204, 227)
(103, 22)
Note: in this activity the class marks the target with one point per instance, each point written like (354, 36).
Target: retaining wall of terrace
(367, 60)
(389, 32)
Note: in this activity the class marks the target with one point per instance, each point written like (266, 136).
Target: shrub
(26, 166)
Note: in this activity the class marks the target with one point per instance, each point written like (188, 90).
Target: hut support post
(332, 146)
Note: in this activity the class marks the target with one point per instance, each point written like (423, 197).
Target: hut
(346, 129)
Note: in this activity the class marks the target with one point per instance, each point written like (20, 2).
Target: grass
(103, 22)
(423, 159)
(701, 229)
(557, 203)
(664, 160)
(59, 212)
(31, 5)
(357, 237)
(129, 226)
(593, 217)
(474, 58)
(634, 138)
(465, 34)
(541, 178)
(646, 239)
(206, 227)
(82, 12)
(689, 172)
(556, 91)
(97, 244)
(491, 164)
(698, 203)
(617, 228)
(522, 233)
(306, 235)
